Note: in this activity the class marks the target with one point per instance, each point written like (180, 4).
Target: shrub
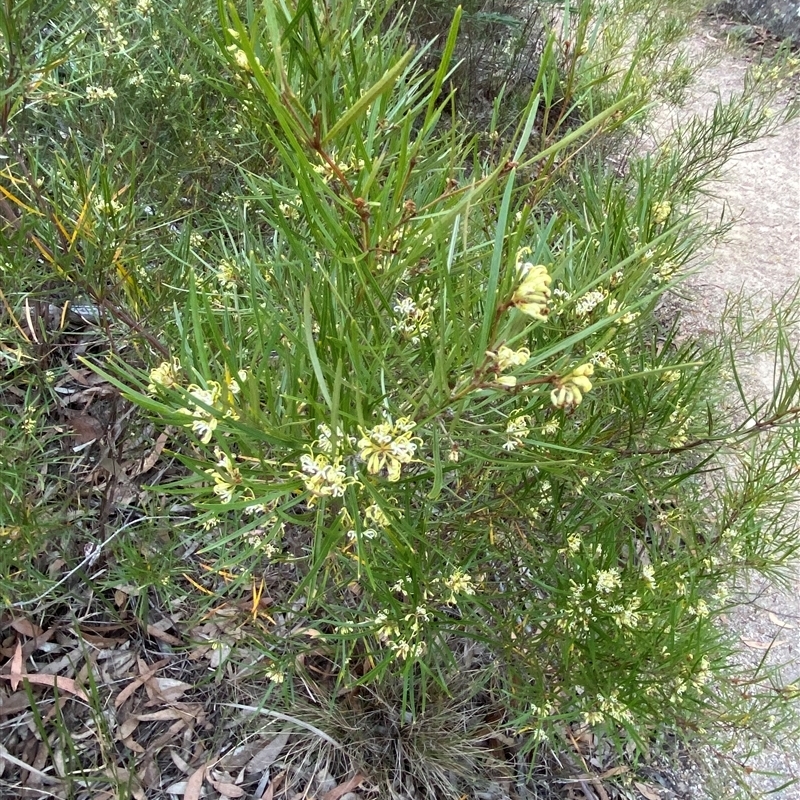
(417, 379)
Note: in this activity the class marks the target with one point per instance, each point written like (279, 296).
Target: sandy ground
(761, 254)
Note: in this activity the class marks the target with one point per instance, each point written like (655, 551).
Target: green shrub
(416, 376)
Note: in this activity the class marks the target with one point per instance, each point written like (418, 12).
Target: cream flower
(608, 580)
(516, 431)
(388, 446)
(569, 390)
(204, 422)
(507, 358)
(458, 583)
(165, 374)
(661, 211)
(323, 478)
(533, 293)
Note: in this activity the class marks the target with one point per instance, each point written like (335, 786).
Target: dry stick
(6, 756)
(93, 555)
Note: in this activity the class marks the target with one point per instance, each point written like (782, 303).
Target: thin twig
(772, 422)
(6, 756)
(89, 559)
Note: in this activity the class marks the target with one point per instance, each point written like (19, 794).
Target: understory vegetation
(339, 414)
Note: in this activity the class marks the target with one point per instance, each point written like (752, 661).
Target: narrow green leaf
(368, 97)
(441, 72)
(438, 471)
(312, 349)
(526, 132)
(275, 39)
(490, 300)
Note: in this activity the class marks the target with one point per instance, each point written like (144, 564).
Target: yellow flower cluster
(239, 55)
(204, 422)
(226, 477)
(660, 212)
(218, 397)
(458, 583)
(533, 292)
(164, 375)
(94, 93)
(388, 446)
(506, 358)
(413, 318)
(517, 429)
(406, 644)
(323, 477)
(569, 390)
(588, 302)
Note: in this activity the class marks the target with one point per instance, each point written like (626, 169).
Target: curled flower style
(164, 375)
(516, 431)
(323, 477)
(506, 358)
(569, 390)
(533, 292)
(203, 422)
(388, 446)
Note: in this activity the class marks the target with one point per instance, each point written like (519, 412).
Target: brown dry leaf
(56, 567)
(16, 667)
(149, 773)
(346, 788)
(756, 645)
(14, 704)
(145, 673)
(104, 642)
(650, 792)
(781, 623)
(610, 773)
(265, 757)
(167, 690)
(169, 736)
(226, 789)
(157, 632)
(67, 685)
(582, 738)
(188, 712)
(135, 468)
(114, 468)
(133, 745)
(39, 763)
(26, 628)
(128, 726)
(79, 376)
(86, 428)
(127, 692)
(194, 785)
(599, 788)
(179, 762)
(219, 654)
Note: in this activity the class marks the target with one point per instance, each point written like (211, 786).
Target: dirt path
(760, 255)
